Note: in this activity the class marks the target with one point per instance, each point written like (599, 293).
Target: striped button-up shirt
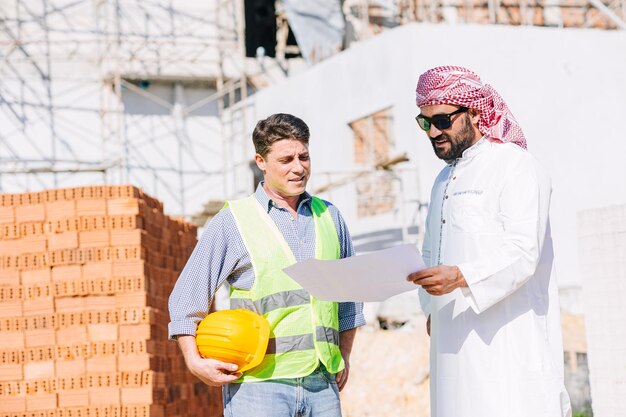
(221, 255)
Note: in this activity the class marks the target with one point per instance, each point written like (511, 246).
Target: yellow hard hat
(234, 336)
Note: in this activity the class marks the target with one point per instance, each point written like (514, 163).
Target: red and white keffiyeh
(461, 87)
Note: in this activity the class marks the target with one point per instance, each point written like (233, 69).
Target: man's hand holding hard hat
(227, 343)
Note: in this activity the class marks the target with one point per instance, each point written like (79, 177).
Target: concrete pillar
(602, 255)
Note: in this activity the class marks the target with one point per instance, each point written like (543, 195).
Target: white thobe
(496, 346)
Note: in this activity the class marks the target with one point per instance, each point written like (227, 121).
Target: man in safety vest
(248, 243)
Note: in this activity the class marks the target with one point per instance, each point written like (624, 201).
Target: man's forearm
(189, 349)
(346, 339)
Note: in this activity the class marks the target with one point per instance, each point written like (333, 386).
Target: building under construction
(164, 95)
(156, 93)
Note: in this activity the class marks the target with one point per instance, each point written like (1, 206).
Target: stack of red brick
(85, 274)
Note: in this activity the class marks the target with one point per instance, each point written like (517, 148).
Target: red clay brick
(133, 362)
(9, 247)
(74, 367)
(30, 213)
(91, 208)
(106, 395)
(13, 404)
(67, 304)
(94, 270)
(13, 340)
(101, 364)
(41, 402)
(123, 206)
(72, 335)
(38, 306)
(102, 332)
(11, 309)
(11, 372)
(36, 276)
(9, 277)
(60, 209)
(73, 398)
(66, 272)
(126, 237)
(7, 214)
(67, 240)
(42, 337)
(39, 370)
(32, 244)
(94, 238)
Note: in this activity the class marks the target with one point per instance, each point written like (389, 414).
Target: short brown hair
(277, 127)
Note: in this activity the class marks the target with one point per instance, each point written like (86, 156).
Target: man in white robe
(489, 289)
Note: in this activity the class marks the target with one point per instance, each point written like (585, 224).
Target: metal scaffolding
(367, 18)
(149, 92)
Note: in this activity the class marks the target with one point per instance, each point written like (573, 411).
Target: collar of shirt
(268, 203)
(472, 151)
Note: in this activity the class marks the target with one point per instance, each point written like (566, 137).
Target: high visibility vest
(303, 330)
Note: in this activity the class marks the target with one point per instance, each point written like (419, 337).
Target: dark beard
(459, 143)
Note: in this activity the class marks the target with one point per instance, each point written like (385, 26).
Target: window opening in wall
(373, 146)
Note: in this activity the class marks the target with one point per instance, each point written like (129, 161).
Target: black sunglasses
(440, 121)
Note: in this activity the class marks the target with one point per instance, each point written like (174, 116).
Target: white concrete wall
(566, 88)
(603, 240)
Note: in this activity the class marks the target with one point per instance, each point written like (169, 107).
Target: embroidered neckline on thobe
(471, 151)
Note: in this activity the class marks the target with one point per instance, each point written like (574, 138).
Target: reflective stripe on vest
(304, 330)
(302, 342)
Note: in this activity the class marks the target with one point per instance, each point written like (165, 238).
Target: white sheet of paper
(374, 276)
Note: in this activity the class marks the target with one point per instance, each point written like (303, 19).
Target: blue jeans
(315, 395)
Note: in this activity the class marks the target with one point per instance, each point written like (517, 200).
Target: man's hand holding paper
(439, 280)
